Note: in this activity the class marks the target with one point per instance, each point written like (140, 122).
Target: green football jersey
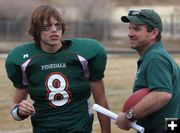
(59, 83)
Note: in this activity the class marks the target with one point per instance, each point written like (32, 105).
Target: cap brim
(133, 19)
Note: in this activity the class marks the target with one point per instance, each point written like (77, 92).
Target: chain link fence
(101, 30)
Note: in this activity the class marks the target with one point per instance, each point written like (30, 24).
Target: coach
(156, 71)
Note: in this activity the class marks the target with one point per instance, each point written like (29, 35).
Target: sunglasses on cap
(141, 14)
(134, 12)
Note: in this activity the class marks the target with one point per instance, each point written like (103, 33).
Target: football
(134, 99)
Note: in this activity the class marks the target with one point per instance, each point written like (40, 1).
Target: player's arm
(97, 88)
(21, 107)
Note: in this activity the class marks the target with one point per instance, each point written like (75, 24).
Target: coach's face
(140, 38)
(51, 34)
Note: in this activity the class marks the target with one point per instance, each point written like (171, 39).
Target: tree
(16, 9)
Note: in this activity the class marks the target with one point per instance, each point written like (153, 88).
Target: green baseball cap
(144, 16)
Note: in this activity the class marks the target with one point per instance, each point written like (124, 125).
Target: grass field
(119, 78)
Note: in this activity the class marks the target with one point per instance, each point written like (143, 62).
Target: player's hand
(122, 122)
(26, 108)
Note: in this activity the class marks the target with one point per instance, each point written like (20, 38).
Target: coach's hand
(122, 122)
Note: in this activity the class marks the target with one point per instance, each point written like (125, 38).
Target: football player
(59, 75)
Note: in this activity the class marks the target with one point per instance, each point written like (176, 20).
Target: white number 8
(57, 89)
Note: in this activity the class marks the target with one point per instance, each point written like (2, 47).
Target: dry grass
(119, 77)
(122, 44)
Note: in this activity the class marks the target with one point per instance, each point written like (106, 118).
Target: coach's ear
(154, 32)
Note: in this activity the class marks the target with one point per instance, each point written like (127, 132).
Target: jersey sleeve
(97, 64)
(13, 70)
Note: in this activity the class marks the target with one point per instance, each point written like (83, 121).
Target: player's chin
(54, 42)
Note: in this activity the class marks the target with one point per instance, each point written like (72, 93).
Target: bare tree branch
(89, 9)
